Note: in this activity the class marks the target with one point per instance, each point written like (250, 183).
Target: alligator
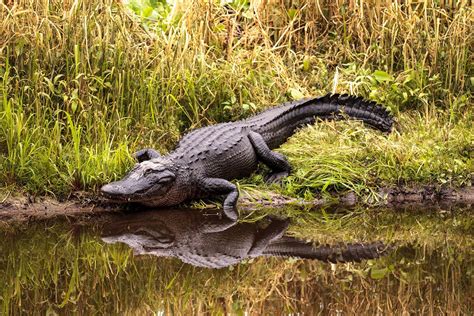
(207, 158)
(212, 241)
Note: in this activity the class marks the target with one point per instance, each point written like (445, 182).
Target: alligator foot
(220, 186)
(274, 160)
(276, 177)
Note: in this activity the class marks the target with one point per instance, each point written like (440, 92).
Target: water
(88, 265)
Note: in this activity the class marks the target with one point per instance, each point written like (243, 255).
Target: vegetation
(430, 271)
(83, 84)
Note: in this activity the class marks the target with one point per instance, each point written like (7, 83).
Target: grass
(430, 271)
(350, 158)
(84, 85)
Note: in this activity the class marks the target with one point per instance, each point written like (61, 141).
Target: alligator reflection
(207, 240)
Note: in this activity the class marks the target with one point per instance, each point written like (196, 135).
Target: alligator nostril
(109, 189)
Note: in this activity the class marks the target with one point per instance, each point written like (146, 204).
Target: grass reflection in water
(56, 266)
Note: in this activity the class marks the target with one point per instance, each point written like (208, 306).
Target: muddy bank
(391, 197)
(24, 209)
(27, 208)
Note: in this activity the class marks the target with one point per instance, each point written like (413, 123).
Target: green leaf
(295, 94)
(382, 76)
(306, 64)
(219, 27)
(292, 13)
(147, 11)
(74, 106)
(50, 85)
(378, 274)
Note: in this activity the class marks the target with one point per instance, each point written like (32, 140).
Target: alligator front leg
(214, 186)
(275, 161)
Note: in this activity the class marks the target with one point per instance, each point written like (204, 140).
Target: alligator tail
(336, 106)
(279, 123)
(291, 247)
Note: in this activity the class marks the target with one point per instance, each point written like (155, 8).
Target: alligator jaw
(116, 192)
(119, 191)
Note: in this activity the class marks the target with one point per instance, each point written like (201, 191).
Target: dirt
(391, 197)
(428, 194)
(24, 209)
(27, 208)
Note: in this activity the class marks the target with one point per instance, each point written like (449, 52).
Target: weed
(82, 85)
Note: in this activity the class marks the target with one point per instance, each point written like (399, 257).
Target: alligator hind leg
(272, 232)
(214, 186)
(275, 161)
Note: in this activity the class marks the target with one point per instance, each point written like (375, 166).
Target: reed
(85, 83)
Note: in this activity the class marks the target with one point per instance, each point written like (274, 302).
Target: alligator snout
(127, 190)
(112, 190)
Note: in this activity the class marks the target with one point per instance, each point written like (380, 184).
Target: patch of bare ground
(389, 196)
(26, 208)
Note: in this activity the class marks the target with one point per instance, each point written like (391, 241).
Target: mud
(21, 209)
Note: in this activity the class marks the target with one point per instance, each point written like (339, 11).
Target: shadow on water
(159, 262)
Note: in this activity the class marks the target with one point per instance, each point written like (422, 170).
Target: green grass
(424, 151)
(84, 85)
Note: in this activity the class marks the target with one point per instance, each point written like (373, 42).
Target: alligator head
(148, 181)
(157, 240)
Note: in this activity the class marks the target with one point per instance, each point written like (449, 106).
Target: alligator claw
(276, 177)
(231, 213)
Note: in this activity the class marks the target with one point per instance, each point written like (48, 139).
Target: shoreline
(21, 209)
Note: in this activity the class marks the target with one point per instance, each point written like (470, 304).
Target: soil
(27, 208)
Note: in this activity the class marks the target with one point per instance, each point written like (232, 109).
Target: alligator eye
(166, 179)
(148, 172)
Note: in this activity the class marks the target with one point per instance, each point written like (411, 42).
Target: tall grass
(85, 83)
(424, 151)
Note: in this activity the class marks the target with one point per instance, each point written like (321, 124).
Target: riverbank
(19, 209)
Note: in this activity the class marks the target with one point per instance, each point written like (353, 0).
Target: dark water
(184, 262)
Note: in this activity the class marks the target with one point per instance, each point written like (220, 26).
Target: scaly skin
(207, 158)
(214, 242)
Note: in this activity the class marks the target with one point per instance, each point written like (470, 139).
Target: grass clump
(83, 85)
(346, 156)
